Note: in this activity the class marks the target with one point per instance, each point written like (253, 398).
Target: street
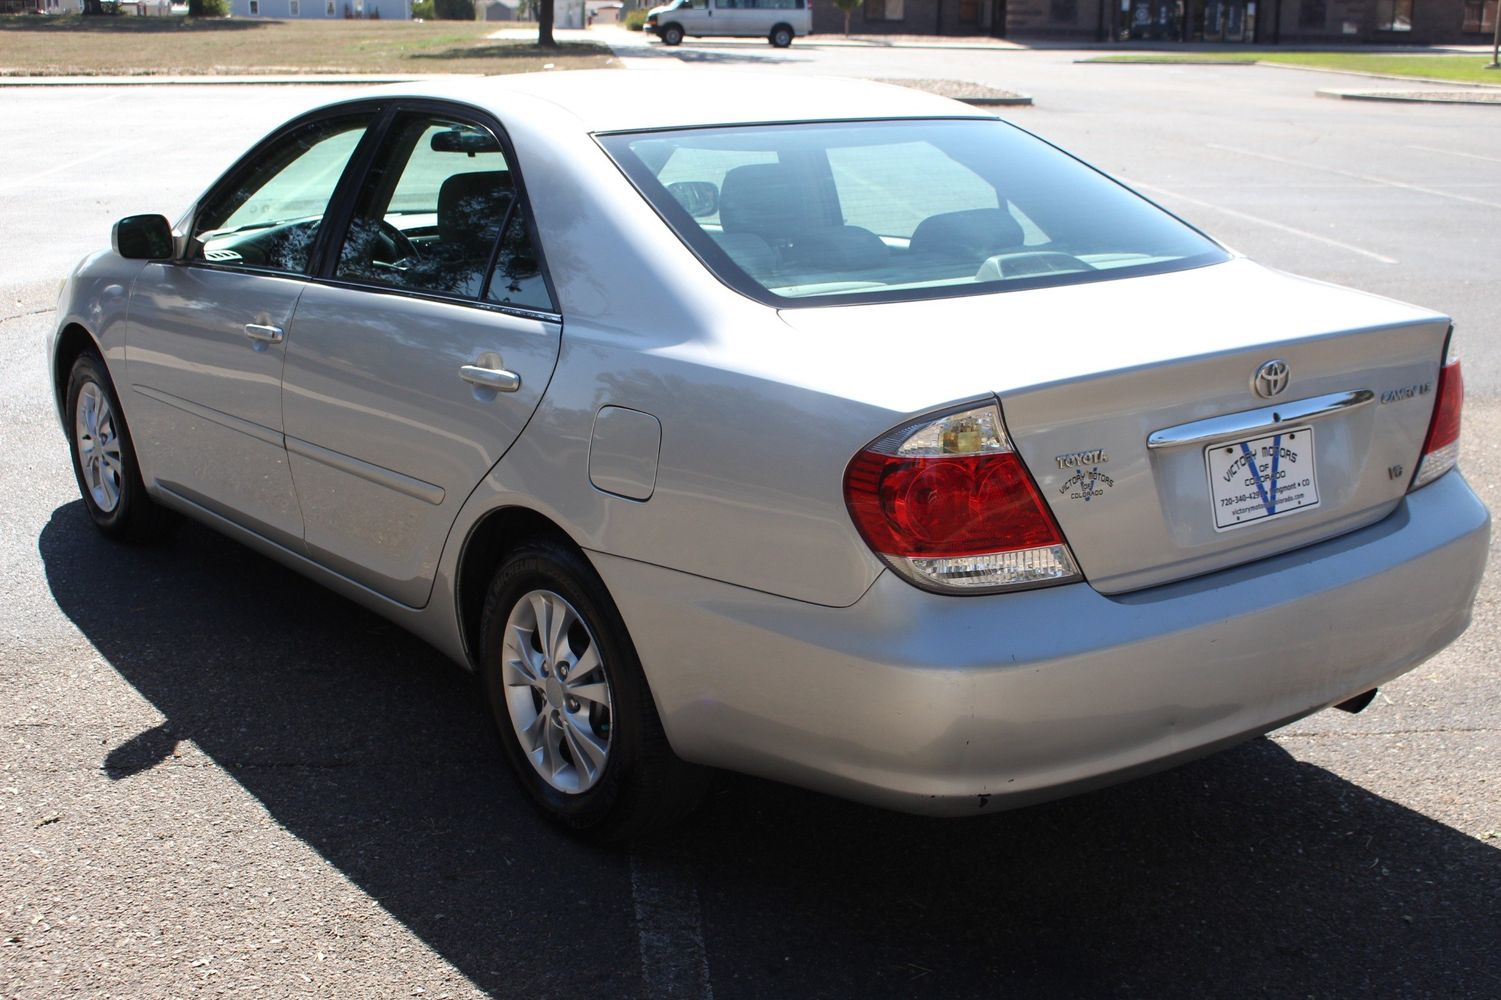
(216, 776)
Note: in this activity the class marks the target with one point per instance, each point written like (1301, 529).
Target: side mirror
(143, 237)
(698, 198)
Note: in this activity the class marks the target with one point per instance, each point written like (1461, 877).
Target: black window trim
(323, 255)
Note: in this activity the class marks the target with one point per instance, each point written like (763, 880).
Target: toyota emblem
(1271, 378)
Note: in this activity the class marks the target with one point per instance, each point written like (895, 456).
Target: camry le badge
(1271, 378)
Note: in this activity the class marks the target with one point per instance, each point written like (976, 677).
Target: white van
(777, 21)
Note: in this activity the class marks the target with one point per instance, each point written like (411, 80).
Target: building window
(329, 10)
(255, 8)
(885, 10)
(294, 8)
(1393, 15)
(1480, 15)
(1313, 14)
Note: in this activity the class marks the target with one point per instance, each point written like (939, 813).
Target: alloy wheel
(556, 691)
(96, 436)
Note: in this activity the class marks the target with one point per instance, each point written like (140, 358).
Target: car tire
(104, 458)
(781, 36)
(588, 748)
(672, 35)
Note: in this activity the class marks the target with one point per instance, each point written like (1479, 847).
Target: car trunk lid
(1134, 405)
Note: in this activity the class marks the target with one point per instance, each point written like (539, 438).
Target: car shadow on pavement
(1248, 873)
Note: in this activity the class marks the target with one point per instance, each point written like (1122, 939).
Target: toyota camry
(820, 430)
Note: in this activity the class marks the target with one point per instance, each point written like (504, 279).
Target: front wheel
(781, 36)
(104, 459)
(672, 35)
(576, 719)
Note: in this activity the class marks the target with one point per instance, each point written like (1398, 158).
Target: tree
(544, 25)
(848, 6)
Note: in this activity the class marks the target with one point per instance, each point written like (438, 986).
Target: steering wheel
(392, 239)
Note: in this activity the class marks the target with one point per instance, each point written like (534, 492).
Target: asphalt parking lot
(216, 777)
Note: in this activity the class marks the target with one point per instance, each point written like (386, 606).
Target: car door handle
(265, 332)
(491, 378)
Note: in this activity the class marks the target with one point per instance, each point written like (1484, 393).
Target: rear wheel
(672, 35)
(576, 719)
(104, 459)
(781, 36)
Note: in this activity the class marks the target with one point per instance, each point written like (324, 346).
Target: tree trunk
(847, 12)
(544, 25)
(1496, 42)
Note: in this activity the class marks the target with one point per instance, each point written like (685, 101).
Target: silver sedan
(881, 448)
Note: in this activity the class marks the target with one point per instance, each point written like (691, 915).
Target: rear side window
(432, 213)
(876, 211)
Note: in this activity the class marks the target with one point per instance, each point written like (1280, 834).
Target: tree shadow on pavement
(1245, 874)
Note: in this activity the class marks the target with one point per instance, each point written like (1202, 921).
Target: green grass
(1456, 68)
(72, 45)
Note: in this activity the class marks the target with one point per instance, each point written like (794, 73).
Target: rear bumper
(947, 705)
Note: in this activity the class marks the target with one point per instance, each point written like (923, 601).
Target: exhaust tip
(1357, 703)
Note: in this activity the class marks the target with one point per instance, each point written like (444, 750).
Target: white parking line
(31, 178)
(1381, 258)
(1455, 152)
(669, 927)
(1357, 176)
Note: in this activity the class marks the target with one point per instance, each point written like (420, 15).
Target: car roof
(615, 100)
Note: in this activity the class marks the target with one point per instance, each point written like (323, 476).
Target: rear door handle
(498, 379)
(265, 332)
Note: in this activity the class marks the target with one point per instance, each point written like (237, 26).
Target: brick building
(1260, 22)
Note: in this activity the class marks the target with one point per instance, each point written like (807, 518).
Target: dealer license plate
(1262, 478)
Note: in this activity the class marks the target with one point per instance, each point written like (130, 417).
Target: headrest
(970, 236)
(762, 198)
(472, 206)
(838, 248)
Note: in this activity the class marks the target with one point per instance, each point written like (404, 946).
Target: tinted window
(517, 278)
(431, 214)
(865, 211)
(269, 215)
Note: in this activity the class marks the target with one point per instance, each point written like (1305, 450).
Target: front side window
(882, 211)
(270, 213)
(432, 214)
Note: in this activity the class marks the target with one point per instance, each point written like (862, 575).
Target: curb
(1019, 101)
(1398, 97)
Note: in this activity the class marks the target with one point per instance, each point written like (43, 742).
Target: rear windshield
(880, 211)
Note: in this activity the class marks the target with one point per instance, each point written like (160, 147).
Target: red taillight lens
(946, 506)
(1441, 447)
(947, 503)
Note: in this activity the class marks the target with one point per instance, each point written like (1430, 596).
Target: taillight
(1441, 447)
(946, 502)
